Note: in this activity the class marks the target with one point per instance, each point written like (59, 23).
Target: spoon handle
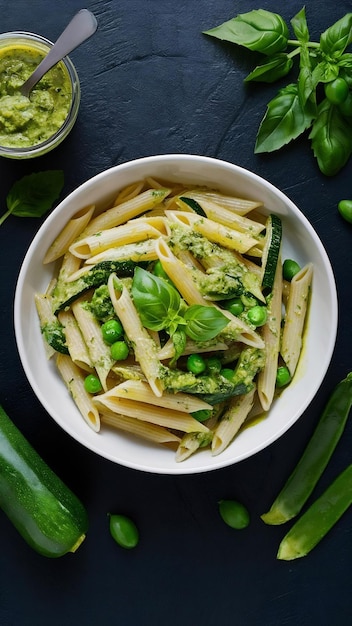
(80, 28)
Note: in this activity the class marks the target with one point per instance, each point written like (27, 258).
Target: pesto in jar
(26, 122)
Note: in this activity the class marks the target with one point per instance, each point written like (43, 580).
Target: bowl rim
(181, 468)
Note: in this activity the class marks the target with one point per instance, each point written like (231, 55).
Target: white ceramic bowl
(300, 242)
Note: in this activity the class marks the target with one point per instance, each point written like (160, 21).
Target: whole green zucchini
(48, 515)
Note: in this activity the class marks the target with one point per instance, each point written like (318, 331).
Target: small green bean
(315, 457)
(321, 516)
(345, 209)
(124, 531)
(234, 514)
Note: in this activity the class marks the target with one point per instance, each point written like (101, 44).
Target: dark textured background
(152, 83)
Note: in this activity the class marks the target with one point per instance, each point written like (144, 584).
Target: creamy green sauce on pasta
(26, 122)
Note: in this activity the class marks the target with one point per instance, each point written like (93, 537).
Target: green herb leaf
(271, 70)
(331, 137)
(300, 26)
(325, 72)
(337, 37)
(34, 195)
(204, 322)
(259, 30)
(285, 119)
(157, 301)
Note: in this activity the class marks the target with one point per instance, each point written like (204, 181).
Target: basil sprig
(160, 307)
(301, 105)
(34, 195)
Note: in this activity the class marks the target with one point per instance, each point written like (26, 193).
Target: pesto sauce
(26, 122)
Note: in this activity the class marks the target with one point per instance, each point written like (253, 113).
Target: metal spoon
(80, 28)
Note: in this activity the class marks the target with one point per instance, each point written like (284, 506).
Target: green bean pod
(316, 522)
(315, 457)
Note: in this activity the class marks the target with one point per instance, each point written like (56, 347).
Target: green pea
(345, 209)
(257, 315)
(92, 384)
(235, 306)
(196, 364)
(336, 91)
(289, 269)
(228, 373)
(124, 531)
(213, 365)
(283, 376)
(112, 330)
(202, 415)
(248, 300)
(119, 350)
(234, 514)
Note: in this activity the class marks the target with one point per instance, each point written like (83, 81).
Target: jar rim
(62, 132)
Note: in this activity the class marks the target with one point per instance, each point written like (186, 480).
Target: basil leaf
(156, 301)
(325, 72)
(259, 30)
(331, 137)
(271, 70)
(337, 37)
(204, 322)
(35, 194)
(345, 61)
(306, 83)
(300, 26)
(285, 119)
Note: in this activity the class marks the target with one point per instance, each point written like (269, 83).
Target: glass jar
(30, 128)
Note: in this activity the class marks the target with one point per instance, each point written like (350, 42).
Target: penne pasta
(69, 234)
(271, 335)
(231, 421)
(134, 426)
(75, 343)
(146, 351)
(141, 392)
(74, 380)
(295, 317)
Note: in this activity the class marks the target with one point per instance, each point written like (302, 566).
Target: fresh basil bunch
(321, 97)
(160, 307)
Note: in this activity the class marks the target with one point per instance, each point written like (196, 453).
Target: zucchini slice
(194, 205)
(271, 251)
(48, 515)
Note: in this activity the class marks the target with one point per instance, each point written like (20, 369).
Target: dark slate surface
(152, 83)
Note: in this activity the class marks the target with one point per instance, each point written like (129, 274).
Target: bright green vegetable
(54, 335)
(101, 305)
(66, 292)
(300, 105)
(336, 91)
(283, 376)
(112, 330)
(234, 514)
(235, 306)
(315, 457)
(213, 364)
(202, 415)
(160, 308)
(289, 269)
(321, 516)
(196, 363)
(257, 315)
(271, 250)
(50, 518)
(92, 384)
(34, 195)
(119, 350)
(124, 531)
(345, 209)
